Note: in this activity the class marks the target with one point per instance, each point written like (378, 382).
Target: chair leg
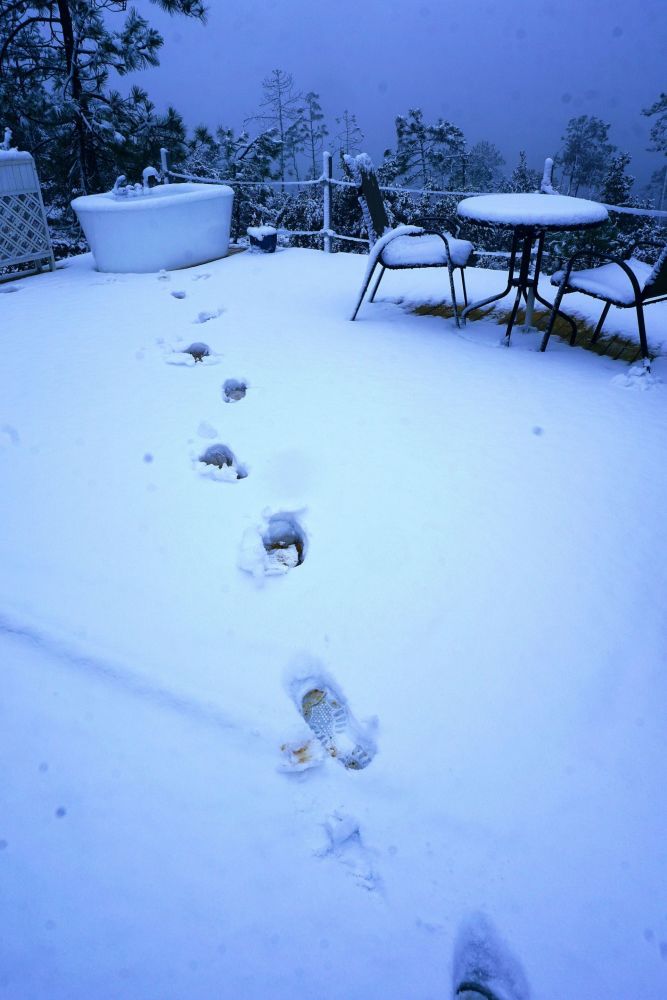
(552, 319)
(598, 328)
(363, 292)
(450, 271)
(377, 283)
(465, 291)
(642, 335)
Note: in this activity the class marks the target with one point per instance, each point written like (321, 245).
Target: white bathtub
(167, 227)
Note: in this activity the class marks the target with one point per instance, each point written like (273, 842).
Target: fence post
(164, 163)
(327, 174)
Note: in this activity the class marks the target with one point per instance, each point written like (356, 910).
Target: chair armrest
(608, 260)
(579, 255)
(443, 221)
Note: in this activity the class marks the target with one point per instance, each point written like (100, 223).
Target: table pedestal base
(523, 240)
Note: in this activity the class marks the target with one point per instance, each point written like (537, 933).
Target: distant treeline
(55, 64)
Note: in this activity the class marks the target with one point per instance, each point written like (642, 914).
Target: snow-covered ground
(483, 580)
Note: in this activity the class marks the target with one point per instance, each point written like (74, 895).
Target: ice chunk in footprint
(284, 542)
(328, 715)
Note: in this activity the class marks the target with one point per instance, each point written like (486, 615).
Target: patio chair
(402, 247)
(626, 284)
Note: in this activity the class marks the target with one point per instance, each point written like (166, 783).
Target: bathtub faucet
(150, 177)
(118, 187)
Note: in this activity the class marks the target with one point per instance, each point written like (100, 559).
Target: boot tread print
(330, 721)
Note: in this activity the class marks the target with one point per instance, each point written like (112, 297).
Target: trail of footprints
(283, 540)
(280, 546)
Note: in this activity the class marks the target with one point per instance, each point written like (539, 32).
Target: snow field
(483, 578)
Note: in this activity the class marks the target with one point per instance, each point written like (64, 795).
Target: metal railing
(327, 181)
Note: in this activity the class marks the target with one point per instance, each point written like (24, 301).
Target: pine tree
(658, 136)
(484, 166)
(429, 155)
(350, 136)
(658, 132)
(523, 178)
(55, 62)
(616, 184)
(227, 156)
(284, 114)
(586, 154)
(315, 130)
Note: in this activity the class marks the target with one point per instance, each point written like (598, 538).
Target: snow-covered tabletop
(530, 215)
(533, 210)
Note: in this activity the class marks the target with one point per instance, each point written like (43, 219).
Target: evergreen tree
(284, 114)
(484, 167)
(55, 62)
(658, 136)
(227, 156)
(523, 178)
(656, 188)
(315, 131)
(616, 184)
(350, 136)
(429, 155)
(586, 154)
(658, 132)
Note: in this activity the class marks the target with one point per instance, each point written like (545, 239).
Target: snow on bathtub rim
(166, 194)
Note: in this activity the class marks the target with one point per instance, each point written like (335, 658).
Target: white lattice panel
(24, 233)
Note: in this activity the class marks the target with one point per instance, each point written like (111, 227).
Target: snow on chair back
(656, 285)
(24, 233)
(369, 195)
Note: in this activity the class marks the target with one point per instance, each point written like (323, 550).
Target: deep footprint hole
(233, 390)
(198, 351)
(285, 540)
(222, 457)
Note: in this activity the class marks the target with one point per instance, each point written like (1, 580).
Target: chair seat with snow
(625, 284)
(402, 247)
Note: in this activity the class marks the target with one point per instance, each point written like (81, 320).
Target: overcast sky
(513, 72)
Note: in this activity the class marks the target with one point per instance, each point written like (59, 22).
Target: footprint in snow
(198, 351)
(345, 844)
(221, 464)
(233, 390)
(206, 315)
(484, 966)
(193, 354)
(206, 430)
(326, 711)
(274, 549)
(9, 436)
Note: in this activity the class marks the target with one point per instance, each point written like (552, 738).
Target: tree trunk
(86, 153)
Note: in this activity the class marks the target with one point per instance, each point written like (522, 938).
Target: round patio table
(530, 216)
